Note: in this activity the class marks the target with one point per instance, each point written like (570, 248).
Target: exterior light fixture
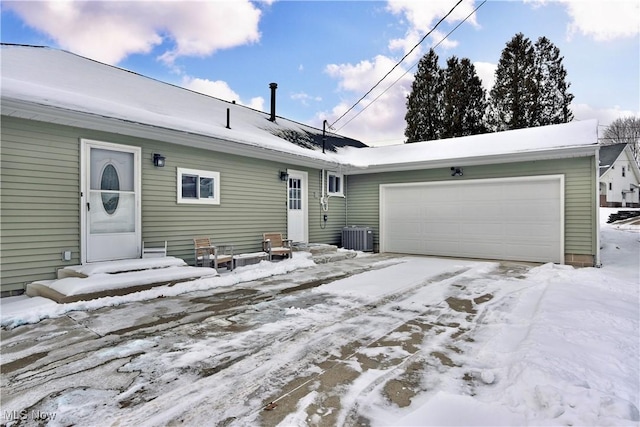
(455, 171)
(284, 176)
(158, 160)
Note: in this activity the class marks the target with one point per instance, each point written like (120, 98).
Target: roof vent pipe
(228, 118)
(273, 87)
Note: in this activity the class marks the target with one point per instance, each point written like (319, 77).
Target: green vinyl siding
(580, 194)
(319, 231)
(40, 199)
(40, 210)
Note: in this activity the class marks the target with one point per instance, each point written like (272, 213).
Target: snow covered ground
(379, 340)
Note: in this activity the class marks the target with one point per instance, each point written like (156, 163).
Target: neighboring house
(96, 160)
(619, 177)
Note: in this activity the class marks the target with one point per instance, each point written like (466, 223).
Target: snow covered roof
(41, 76)
(545, 142)
(51, 85)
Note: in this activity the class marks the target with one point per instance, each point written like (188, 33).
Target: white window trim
(336, 193)
(200, 173)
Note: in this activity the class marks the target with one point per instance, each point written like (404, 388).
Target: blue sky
(325, 55)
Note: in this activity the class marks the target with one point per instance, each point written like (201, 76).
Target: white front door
(297, 217)
(110, 201)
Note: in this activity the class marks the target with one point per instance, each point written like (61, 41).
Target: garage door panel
(516, 219)
(438, 212)
(529, 212)
(406, 229)
(477, 230)
(441, 247)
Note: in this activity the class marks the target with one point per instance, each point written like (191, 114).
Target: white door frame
(85, 149)
(304, 179)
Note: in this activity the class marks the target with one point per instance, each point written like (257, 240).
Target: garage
(520, 219)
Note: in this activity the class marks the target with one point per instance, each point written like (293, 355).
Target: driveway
(312, 347)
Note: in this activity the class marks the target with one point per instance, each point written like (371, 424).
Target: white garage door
(511, 219)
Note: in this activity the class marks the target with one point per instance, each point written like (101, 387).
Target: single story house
(97, 160)
(619, 177)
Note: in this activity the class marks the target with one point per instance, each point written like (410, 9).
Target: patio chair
(274, 244)
(154, 251)
(206, 253)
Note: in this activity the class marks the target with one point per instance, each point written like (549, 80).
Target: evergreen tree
(512, 102)
(530, 88)
(554, 98)
(464, 100)
(424, 103)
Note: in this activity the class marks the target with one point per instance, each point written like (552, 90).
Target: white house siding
(40, 199)
(617, 190)
(580, 197)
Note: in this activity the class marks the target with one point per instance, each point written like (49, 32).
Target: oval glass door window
(110, 182)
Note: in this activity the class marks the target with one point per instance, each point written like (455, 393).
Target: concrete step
(315, 248)
(333, 257)
(119, 266)
(113, 278)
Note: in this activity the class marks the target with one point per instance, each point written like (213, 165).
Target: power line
(397, 64)
(408, 69)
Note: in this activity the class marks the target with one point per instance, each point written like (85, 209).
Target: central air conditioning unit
(357, 238)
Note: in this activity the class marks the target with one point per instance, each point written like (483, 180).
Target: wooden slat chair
(274, 244)
(206, 253)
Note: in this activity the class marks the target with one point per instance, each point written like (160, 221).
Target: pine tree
(531, 87)
(512, 101)
(464, 100)
(554, 98)
(424, 103)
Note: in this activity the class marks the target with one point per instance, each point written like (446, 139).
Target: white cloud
(305, 98)
(599, 19)
(605, 116)
(381, 120)
(486, 71)
(365, 74)
(221, 90)
(422, 16)
(109, 31)
(604, 20)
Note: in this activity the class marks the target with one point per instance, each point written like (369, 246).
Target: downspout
(597, 203)
(324, 200)
(346, 201)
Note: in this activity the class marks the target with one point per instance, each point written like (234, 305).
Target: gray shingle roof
(608, 155)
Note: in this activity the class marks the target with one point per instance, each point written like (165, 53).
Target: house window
(295, 194)
(334, 183)
(110, 186)
(198, 186)
(623, 172)
(610, 186)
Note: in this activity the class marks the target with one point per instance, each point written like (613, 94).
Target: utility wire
(397, 64)
(408, 69)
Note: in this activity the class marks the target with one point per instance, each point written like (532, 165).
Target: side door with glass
(110, 201)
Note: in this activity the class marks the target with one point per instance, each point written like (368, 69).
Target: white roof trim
(551, 154)
(46, 113)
